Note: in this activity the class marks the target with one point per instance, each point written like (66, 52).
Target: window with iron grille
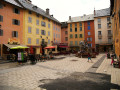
(14, 34)
(29, 40)
(1, 32)
(43, 32)
(16, 22)
(29, 30)
(1, 18)
(37, 22)
(43, 23)
(16, 10)
(29, 19)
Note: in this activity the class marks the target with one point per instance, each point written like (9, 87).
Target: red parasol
(49, 47)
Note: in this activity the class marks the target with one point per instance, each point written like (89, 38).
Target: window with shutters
(1, 32)
(1, 18)
(37, 22)
(14, 34)
(76, 36)
(80, 36)
(16, 22)
(43, 24)
(71, 36)
(16, 10)
(29, 40)
(37, 31)
(29, 30)
(71, 42)
(29, 19)
(37, 41)
(43, 32)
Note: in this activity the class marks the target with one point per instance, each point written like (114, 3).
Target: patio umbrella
(19, 47)
(49, 47)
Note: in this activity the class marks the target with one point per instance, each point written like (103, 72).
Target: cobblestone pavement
(28, 77)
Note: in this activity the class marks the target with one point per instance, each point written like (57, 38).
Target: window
(80, 36)
(16, 10)
(43, 32)
(88, 23)
(37, 22)
(108, 19)
(76, 43)
(48, 25)
(66, 32)
(48, 41)
(1, 5)
(76, 36)
(43, 23)
(70, 25)
(80, 28)
(99, 20)
(66, 38)
(1, 18)
(109, 40)
(108, 26)
(88, 33)
(29, 12)
(37, 31)
(16, 22)
(37, 41)
(56, 35)
(14, 34)
(89, 45)
(29, 40)
(71, 36)
(49, 20)
(29, 19)
(75, 29)
(48, 33)
(89, 39)
(71, 42)
(29, 30)
(1, 32)
(75, 24)
(99, 26)
(109, 32)
(70, 29)
(80, 24)
(99, 33)
(43, 17)
(54, 28)
(88, 27)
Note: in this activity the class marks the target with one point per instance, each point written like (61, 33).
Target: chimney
(47, 11)
(94, 12)
(70, 18)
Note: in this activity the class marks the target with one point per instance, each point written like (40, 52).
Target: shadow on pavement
(81, 81)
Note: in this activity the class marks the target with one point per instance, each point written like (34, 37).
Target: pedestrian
(112, 58)
(89, 57)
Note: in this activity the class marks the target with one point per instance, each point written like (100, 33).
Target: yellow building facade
(75, 33)
(36, 29)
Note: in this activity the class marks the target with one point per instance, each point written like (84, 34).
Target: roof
(13, 2)
(36, 9)
(82, 18)
(102, 12)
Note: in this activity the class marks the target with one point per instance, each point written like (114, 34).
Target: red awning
(64, 46)
(49, 47)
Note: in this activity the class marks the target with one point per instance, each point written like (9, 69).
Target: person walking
(89, 57)
(112, 58)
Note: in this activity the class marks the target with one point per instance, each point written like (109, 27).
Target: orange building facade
(64, 33)
(89, 33)
(11, 24)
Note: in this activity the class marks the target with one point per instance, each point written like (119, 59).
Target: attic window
(30, 12)
(34, 7)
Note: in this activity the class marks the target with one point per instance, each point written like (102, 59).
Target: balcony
(99, 36)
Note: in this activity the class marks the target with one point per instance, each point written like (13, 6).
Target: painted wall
(7, 25)
(92, 32)
(64, 35)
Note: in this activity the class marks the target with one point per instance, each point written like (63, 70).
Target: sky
(62, 9)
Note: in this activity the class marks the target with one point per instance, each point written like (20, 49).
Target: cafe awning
(10, 46)
(49, 47)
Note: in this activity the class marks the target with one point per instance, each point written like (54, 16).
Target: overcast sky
(62, 9)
